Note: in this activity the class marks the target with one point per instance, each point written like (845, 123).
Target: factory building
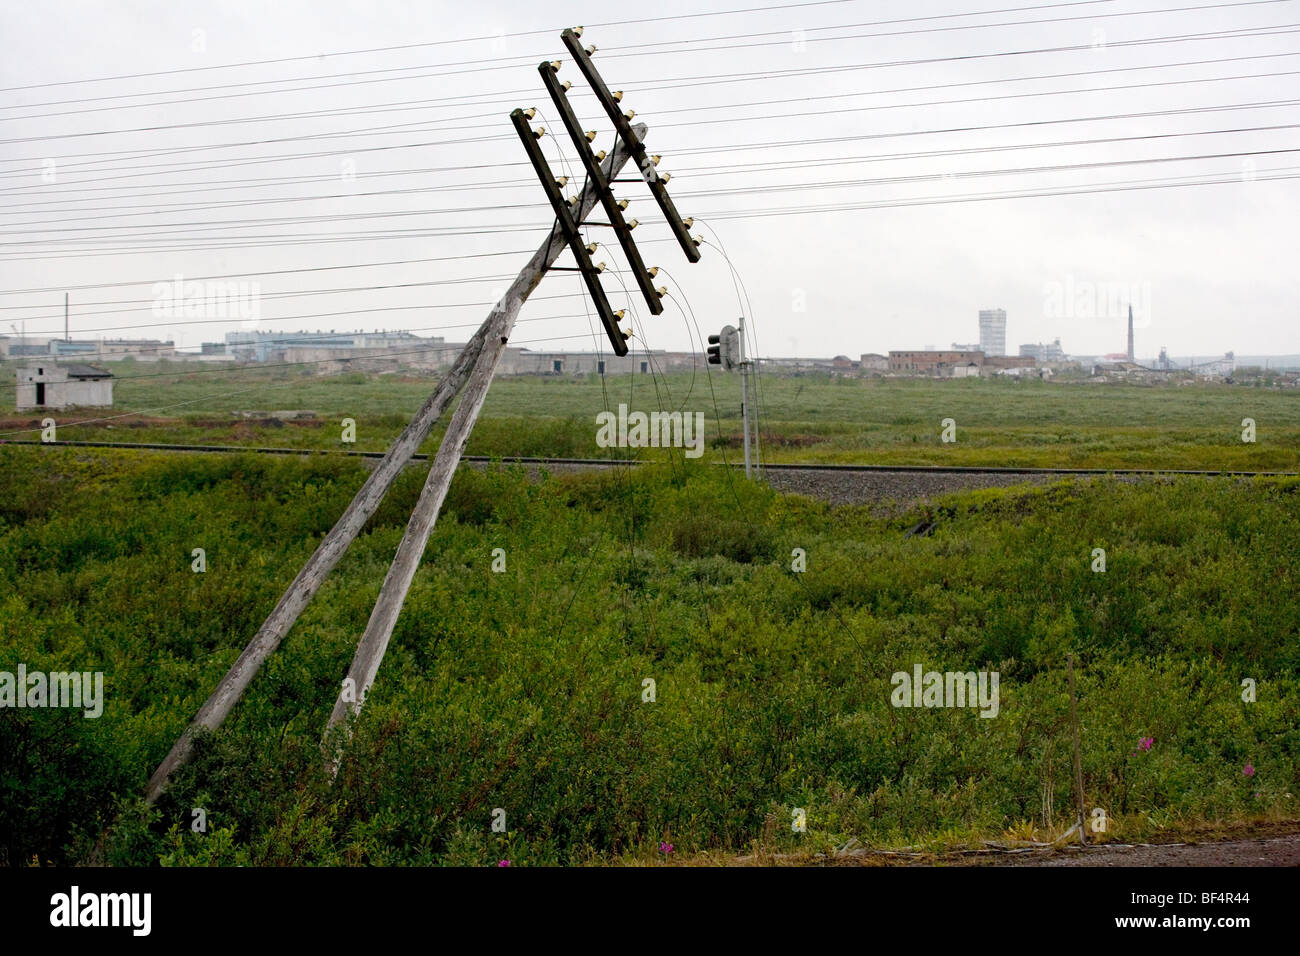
(1041, 352)
(522, 361)
(96, 350)
(929, 360)
(317, 346)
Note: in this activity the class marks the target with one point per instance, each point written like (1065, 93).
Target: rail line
(613, 462)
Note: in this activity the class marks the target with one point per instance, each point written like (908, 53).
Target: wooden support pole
(218, 706)
(500, 322)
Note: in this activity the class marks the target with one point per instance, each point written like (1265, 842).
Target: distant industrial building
(873, 362)
(307, 347)
(955, 363)
(98, 350)
(993, 331)
(928, 360)
(1009, 361)
(1041, 352)
(62, 386)
(114, 350)
(13, 348)
(522, 361)
(1216, 368)
(330, 352)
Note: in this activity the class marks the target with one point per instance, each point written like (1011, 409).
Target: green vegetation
(523, 690)
(805, 419)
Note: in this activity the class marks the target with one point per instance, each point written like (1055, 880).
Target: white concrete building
(993, 331)
(62, 386)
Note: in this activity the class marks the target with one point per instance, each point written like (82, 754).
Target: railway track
(614, 462)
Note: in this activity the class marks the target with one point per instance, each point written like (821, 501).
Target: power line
(270, 272)
(763, 213)
(1236, 33)
(224, 224)
(425, 103)
(226, 320)
(409, 46)
(728, 214)
(223, 184)
(468, 280)
(152, 169)
(779, 187)
(167, 151)
(1135, 185)
(496, 62)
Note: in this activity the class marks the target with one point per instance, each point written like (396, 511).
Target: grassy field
(808, 419)
(524, 690)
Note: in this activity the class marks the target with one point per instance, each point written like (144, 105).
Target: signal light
(724, 348)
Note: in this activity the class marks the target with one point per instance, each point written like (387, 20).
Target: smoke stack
(1130, 333)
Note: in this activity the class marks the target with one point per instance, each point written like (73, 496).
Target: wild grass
(523, 690)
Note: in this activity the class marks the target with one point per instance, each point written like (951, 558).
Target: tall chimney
(1130, 333)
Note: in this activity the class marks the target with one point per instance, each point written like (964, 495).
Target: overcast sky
(147, 177)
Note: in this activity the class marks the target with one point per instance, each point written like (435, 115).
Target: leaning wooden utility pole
(473, 369)
(218, 706)
(569, 218)
(379, 629)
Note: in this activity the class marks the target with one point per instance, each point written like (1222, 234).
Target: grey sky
(1211, 267)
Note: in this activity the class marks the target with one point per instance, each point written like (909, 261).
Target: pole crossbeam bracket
(569, 227)
(634, 146)
(597, 177)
